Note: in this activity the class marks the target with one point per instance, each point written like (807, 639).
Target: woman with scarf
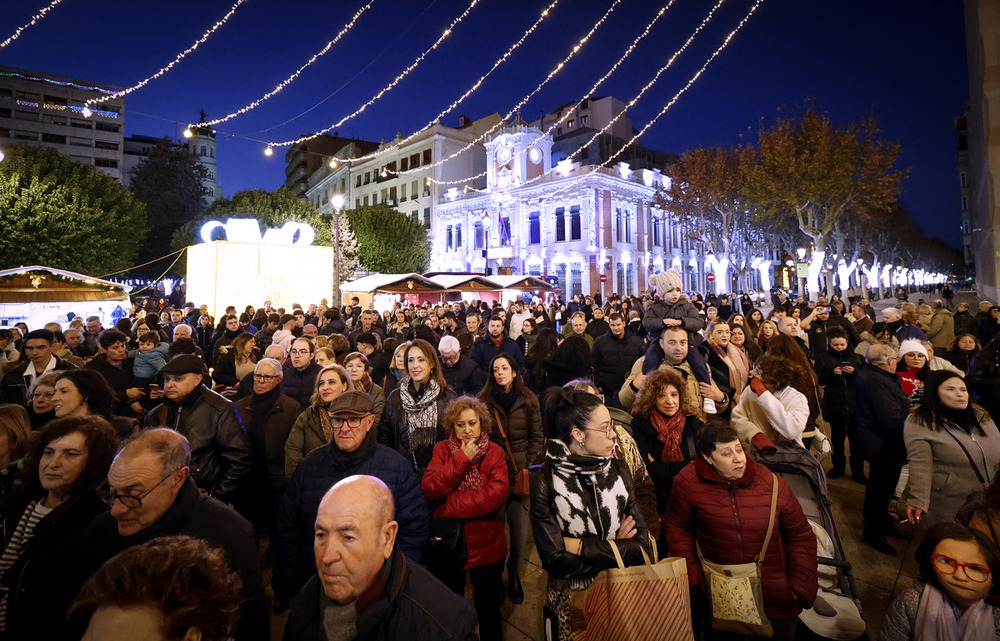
(468, 477)
(739, 338)
(953, 449)
(356, 365)
(580, 499)
(411, 421)
(313, 427)
(727, 364)
(767, 331)
(963, 351)
(957, 571)
(514, 409)
(529, 332)
(397, 368)
(913, 368)
(664, 434)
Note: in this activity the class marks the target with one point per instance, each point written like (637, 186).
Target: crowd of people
(377, 463)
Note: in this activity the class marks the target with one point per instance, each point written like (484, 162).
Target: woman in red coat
(468, 475)
(722, 500)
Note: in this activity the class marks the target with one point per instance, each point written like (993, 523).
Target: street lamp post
(337, 201)
(801, 253)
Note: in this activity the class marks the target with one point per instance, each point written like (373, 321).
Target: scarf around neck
(420, 413)
(670, 430)
(472, 480)
(575, 481)
(938, 619)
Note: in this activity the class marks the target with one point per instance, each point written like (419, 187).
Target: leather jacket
(220, 448)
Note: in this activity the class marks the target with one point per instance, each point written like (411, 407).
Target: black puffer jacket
(596, 554)
(220, 449)
(613, 359)
(413, 605)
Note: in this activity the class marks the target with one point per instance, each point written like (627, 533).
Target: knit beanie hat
(666, 281)
(911, 345)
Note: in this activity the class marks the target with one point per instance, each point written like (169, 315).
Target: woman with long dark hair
(963, 351)
(953, 449)
(411, 421)
(516, 420)
(534, 361)
(913, 367)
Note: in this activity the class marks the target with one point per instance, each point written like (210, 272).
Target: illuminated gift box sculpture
(248, 268)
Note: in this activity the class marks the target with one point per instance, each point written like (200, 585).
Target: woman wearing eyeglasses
(581, 498)
(67, 460)
(313, 427)
(957, 570)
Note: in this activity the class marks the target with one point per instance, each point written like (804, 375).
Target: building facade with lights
(44, 110)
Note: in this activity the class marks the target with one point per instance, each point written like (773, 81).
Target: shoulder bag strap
(506, 441)
(979, 475)
(770, 524)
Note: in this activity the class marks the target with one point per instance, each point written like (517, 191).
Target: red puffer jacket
(729, 520)
(484, 532)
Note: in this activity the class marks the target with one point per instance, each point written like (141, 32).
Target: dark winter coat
(300, 384)
(983, 378)
(293, 556)
(220, 449)
(36, 581)
(14, 385)
(663, 472)
(413, 606)
(613, 359)
(392, 427)
(267, 441)
(465, 377)
(523, 427)
(683, 310)
(482, 509)
(881, 408)
(596, 553)
(485, 350)
(119, 378)
(729, 521)
(838, 389)
(202, 517)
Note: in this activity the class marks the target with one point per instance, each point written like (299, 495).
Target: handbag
(735, 595)
(446, 543)
(521, 477)
(616, 605)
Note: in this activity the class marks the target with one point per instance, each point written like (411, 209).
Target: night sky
(901, 60)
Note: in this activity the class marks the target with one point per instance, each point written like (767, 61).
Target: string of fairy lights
(197, 43)
(287, 81)
(31, 23)
(635, 99)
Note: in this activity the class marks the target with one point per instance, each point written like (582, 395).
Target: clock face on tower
(535, 155)
(504, 155)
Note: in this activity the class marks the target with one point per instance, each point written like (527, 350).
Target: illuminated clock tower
(516, 154)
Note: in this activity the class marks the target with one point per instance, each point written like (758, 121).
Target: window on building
(559, 131)
(583, 120)
(618, 224)
(620, 273)
(427, 157)
(414, 161)
(427, 186)
(375, 198)
(427, 217)
(105, 162)
(560, 223)
(357, 202)
(415, 215)
(575, 223)
(656, 233)
(368, 177)
(366, 201)
(392, 194)
(628, 279)
(534, 228)
(965, 227)
(357, 183)
(414, 193)
(404, 164)
(505, 231)
(448, 238)
(402, 193)
(201, 150)
(569, 123)
(965, 203)
(102, 144)
(477, 233)
(101, 126)
(628, 226)
(963, 179)
(458, 236)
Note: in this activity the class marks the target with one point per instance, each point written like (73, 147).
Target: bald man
(364, 587)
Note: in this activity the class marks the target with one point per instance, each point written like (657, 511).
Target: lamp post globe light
(337, 201)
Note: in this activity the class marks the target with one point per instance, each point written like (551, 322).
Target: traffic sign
(604, 278)
(710, 277)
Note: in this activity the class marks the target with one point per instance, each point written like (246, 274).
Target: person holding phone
(836, 369)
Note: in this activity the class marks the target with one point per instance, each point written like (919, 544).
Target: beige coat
(693, 400)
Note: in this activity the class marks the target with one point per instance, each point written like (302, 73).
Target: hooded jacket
(729, 521)
(683, 310)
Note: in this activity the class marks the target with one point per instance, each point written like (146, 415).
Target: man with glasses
(300, 379)
(151, 493)
(220, 450)
(881, 407)
(353, 450)
(268, 416)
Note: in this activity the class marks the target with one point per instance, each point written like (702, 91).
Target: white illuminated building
(568, 221)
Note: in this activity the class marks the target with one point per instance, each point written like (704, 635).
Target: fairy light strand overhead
(395, 81)
(573, 51)
(34, 20)
(200, 41)
(670, 61)
(287, 81)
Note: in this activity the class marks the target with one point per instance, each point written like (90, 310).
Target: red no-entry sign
(710, 277)
(604, 278)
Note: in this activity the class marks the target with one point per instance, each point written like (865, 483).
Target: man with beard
(495, 342)
(300, 380)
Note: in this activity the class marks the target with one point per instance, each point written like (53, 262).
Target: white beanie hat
(911, 345)
(666, 281)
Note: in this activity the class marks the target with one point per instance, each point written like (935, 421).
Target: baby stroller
(837, 613)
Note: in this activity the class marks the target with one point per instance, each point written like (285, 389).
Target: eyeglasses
(300, 352)
(608, 429)
(265, 377)
(130, 502)
(352, 422)
(974, 571)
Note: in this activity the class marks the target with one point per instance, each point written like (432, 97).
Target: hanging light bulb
(333, 163)
(268, 152)
(188, 133)
(87, 113)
